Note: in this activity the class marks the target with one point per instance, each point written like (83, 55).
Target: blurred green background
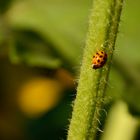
(41, 45)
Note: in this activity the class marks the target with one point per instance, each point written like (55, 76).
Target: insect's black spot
(102, 52)
(93, 56)
(98, 60)
(101, 56)
(97, 53)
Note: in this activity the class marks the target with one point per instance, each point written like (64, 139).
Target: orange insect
(99, 60)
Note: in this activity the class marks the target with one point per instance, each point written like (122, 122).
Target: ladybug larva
(99, 59)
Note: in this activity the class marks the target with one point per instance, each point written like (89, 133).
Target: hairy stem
(103, 28)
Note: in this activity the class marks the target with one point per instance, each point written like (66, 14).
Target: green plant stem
(103, 28)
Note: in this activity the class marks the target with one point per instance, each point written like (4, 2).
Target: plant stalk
(103, 29)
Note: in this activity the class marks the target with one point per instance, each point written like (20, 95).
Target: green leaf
(61, 22)
(30, 49)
